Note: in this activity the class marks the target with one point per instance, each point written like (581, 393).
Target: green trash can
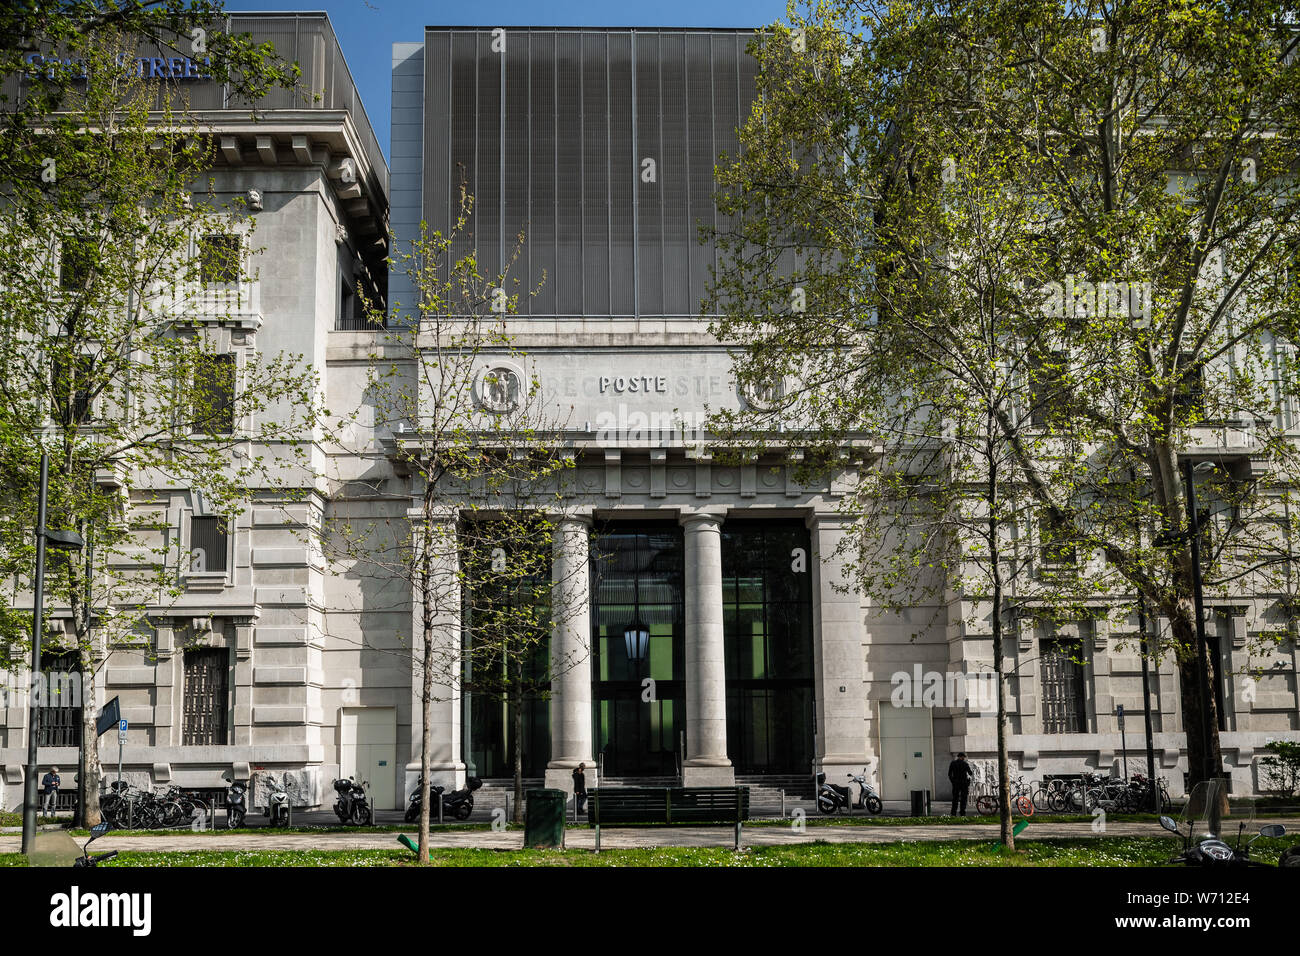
(544, 818)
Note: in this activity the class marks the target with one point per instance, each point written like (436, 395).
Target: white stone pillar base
(710, 774)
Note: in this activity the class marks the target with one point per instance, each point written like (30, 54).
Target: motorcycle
(458, 803)
(236, 804)
(832, 797)
(1204, 843)
(97, 831)
(277, 810)
(351, 806)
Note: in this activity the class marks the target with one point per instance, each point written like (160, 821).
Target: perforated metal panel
(561, 158)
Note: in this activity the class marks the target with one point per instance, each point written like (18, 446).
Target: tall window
(76, 263)
(71, 388)
(1063, 699)
(60, 700)
(214, 394)
(506, 656)
(1047, 397)
(204, 709)
(767, 622)
(219, 259)
(1189, 394)
(1056, 546)
(208, 539)
(638, 633)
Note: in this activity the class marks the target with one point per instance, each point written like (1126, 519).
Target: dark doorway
(767, 620)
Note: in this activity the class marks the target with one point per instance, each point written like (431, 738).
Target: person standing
(580, 788)
(959, 775)
(50, 786)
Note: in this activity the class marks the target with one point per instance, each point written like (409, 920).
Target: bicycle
(1049, 794)
(987, 804)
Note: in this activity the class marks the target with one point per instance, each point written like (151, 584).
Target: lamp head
(64, 540)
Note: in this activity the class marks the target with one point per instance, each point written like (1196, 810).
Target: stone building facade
(767, 664)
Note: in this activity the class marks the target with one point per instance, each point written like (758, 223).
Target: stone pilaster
(706, 762)
(571, 731)
(243, 699)
(842, 710)
(165, 690)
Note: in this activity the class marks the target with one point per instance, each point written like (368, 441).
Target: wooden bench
(667, 806)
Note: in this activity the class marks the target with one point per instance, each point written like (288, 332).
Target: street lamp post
(64, 541)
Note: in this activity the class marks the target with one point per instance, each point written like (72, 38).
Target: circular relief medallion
(500, 387)
(765, 396)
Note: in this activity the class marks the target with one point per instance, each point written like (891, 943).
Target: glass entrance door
(638, 648)
(767, 620)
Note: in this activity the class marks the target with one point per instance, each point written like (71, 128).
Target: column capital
(713, 515)
(582, 518)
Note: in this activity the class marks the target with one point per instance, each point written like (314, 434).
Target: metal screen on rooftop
(553, 135)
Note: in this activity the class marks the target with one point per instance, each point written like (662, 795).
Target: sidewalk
(615, 837)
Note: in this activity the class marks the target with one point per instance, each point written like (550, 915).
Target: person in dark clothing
(50, 784)
(580, 788)
(959, 775)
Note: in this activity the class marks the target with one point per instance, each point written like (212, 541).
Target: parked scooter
(1208, 818)
(352, 806)
(832, 797)
(277, 806)
(97, 831)
(458, 804)
(236, 804)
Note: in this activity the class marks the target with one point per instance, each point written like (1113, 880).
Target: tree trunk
(426, 683)
(88, 767)
(1004, 774)
(90, 770)
(517, 707)
(995, 556)
(1199, 757)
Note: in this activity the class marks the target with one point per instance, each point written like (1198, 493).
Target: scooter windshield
(1211, 814)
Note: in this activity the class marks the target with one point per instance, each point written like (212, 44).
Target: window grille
(204, 709)
(1063, 701)
(208, 538)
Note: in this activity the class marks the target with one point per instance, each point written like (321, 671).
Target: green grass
(1092, 852)
(219, 831)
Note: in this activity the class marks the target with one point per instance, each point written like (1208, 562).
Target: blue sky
(367, 29)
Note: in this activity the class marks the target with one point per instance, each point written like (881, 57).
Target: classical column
(706, 762)
(838, 658)
(571, 737)
(446, 768)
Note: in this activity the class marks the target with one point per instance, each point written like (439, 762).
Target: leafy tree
(1148, 147)
(122, 265)
(475, 445)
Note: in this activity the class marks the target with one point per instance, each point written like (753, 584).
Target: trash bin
(544, 818)
(918, 803)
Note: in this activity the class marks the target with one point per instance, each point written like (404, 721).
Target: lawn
(1101, 851)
